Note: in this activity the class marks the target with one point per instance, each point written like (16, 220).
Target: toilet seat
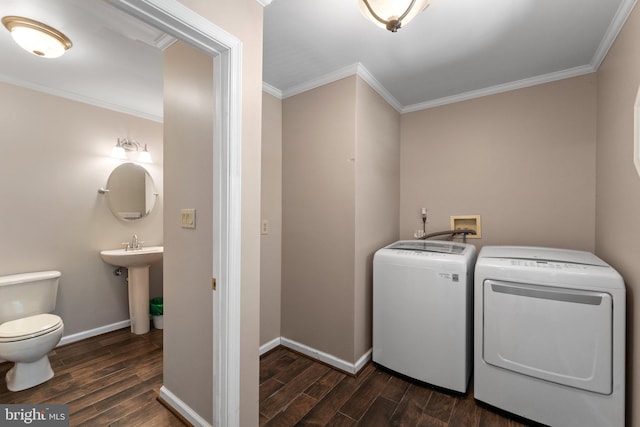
(29, 327)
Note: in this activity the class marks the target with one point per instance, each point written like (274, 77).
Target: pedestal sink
(137, 262)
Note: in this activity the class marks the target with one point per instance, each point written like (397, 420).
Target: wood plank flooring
(108, 380)
(297, 391)
(114, 379)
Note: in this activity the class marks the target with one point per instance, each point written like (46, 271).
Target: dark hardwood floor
(295, 390)
(108, 380)
(114, 380)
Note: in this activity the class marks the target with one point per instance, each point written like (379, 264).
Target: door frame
(186, 25)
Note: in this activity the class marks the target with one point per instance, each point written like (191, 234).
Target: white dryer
(550, 336)
(422, 302)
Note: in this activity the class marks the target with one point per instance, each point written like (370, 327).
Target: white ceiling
(115, 60)
(454, 50)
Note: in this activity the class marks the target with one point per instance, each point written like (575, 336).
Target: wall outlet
(188, 218)
(264, 227)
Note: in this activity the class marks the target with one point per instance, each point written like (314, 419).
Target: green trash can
(156, 309)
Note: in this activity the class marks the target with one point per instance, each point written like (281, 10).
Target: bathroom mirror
(130, 191)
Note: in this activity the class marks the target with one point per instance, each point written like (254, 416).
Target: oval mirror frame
(131, 192)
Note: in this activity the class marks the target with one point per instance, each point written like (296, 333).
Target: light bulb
(144, 156)
(118, 152)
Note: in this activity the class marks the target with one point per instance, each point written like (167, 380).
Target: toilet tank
(27, 294)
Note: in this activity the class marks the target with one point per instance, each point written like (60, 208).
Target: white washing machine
(550, 336)
(422, 302)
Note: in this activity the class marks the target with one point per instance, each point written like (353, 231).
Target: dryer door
(556, 334)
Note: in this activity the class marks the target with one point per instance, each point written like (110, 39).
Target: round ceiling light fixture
(392, 14)
(36, 38)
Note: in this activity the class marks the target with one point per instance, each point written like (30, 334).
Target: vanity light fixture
(118, 151)
(144, 156)
(125, 145)
(37, 38)
(392, 14)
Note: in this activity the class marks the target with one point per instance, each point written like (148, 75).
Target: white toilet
(27, 331)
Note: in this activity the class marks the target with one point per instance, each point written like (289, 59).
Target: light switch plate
(188, 218)
(636, 132)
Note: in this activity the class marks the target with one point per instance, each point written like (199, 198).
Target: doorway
(182, 23)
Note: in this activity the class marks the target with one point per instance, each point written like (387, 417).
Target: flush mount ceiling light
(36, 38)
(125, 145)
(392, 14)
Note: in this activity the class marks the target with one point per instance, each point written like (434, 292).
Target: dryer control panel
(547, 264)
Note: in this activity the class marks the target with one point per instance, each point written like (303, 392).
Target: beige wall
(243, 19)
(340, 204)
(618, 185)
(54, 156)
(188, 311)
(318, 216)
(377, 195)
(524, 160)
(271, 207)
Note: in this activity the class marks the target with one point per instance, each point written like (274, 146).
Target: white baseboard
(68, 339)
(352, 368)
(270, 345)
(182, 408)
(363, 360)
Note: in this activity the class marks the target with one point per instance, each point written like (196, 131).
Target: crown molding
(271, 90)
(264, 3)
(365, 75)
(533, 81)
(348, 71)
(339, 74)
(83, 99)
(359, 70)
(164, 41)
(612, 32)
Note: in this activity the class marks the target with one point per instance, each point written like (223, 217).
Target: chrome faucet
(133, 244)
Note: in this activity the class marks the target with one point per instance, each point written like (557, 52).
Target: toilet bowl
(27, 342)
(28, 332)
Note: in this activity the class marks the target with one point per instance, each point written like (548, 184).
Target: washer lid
(429, 246)
(542, 254)
(29, 327)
